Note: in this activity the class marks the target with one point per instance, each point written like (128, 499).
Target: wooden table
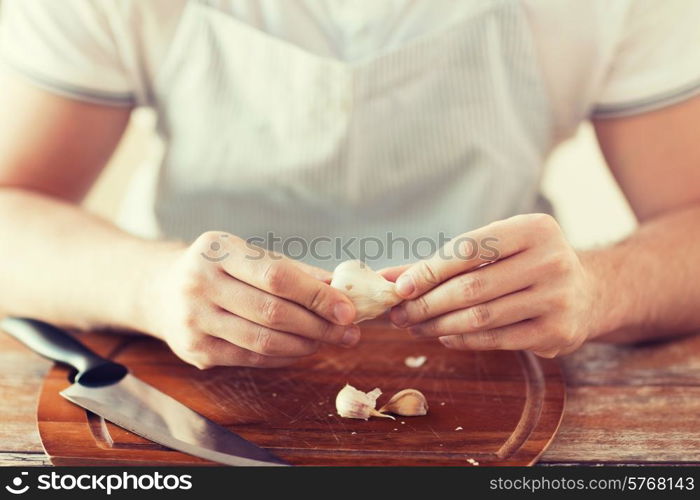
(626, 405)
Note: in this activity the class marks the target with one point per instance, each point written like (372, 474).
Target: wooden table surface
(626, 405)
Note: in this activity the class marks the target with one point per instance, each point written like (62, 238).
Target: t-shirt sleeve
(657, 60)
(67, 47)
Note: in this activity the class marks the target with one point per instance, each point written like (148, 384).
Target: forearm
(63, 265)
(648, 286)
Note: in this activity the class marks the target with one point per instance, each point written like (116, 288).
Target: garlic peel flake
(369, 292)
(415, 361)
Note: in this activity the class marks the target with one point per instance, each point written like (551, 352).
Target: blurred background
(589, 205)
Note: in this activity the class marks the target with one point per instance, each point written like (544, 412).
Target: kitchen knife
(109, 390)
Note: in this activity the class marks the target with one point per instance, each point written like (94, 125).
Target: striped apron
(327, 160)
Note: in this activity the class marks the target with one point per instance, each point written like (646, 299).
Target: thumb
(392, 273)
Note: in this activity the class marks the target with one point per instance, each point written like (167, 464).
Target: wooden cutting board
(497, 408)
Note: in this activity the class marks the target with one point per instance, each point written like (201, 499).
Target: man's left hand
(513, 284)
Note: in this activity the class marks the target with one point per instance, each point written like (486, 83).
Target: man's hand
(224, 302)
(534, 294)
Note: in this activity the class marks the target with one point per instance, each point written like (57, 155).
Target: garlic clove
(353, 403)
(369, 292)
(407, 403)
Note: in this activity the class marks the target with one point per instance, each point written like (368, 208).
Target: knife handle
(58, 345)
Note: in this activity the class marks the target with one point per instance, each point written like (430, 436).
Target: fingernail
(398, 317)
(351, 336)
(343, 312)
(405, 285)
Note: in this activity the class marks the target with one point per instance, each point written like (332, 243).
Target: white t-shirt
(596, 58)
(599, 57)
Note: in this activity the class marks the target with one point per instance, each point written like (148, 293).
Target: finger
(392, 273)
(264, 309)
(313, 271)
(257, 338)
(466, 252)
(497, 313)
(519, 336)
(224, 353)
(549, 353)
(279, 276)
(475, 287)
(212, 351)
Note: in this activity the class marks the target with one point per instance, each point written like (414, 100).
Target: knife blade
(108, 389)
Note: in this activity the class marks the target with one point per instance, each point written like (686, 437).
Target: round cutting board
(490, 408)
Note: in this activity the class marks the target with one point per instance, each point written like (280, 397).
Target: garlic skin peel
(415, 361)
(406, 403)
(369, 292)
(353, 403)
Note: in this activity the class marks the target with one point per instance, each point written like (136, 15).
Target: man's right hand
(224, 302)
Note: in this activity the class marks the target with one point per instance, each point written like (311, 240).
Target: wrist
(155, 258)
(612, 304)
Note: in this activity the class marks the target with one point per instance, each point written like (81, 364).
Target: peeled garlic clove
(353, 403)
(407, 403)
(369, 292)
